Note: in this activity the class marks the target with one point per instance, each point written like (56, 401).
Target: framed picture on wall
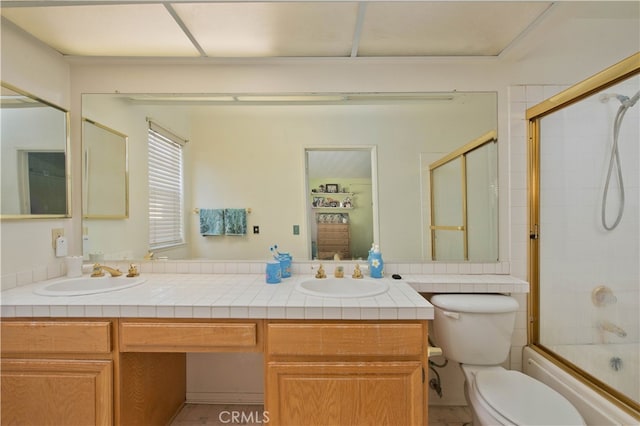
(332, 188)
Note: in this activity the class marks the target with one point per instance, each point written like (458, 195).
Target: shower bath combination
(614, 160)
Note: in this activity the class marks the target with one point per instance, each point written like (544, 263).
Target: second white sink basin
(87, 285)
(342, 287)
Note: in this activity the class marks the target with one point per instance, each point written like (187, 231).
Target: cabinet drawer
(337, 242)
(187, 336)
(56, 337)
(323, 339)
(337, 230)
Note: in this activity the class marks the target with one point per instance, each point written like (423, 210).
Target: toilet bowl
(475, 331)
(505, 397)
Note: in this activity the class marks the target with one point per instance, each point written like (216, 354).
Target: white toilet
(475, 330)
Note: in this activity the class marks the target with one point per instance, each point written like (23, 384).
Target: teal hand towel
(235, 221)
(211, 222)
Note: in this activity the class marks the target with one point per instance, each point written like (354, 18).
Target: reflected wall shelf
(338, 196)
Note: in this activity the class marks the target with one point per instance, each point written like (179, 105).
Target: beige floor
(202, 414)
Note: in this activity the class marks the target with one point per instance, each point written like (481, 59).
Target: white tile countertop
(166, 295)
(217, 296)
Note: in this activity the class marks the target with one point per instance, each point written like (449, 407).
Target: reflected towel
(235, 221)
(211, 222)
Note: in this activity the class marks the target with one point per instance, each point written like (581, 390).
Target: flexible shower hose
(615, 160)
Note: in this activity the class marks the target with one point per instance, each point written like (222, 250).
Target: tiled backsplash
(58, 269)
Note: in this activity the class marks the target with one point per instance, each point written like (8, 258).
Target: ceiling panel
(444, 28)
(105, 30)
(266, 29)
(339, 163)
(271, 29)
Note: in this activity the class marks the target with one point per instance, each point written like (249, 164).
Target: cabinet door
(352, 393)
(57, 392)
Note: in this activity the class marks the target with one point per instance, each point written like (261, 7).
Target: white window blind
(165, 188)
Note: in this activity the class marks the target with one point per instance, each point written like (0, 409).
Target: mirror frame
(67, 153)
(85, 171)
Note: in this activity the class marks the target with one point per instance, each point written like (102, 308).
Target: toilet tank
(474, 328)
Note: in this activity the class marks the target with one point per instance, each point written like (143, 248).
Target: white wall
(27, 251)
(556, 52)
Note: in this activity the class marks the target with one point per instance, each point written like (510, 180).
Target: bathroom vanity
(120, 358)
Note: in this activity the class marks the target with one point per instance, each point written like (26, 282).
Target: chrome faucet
(611, 328)
(98, 271)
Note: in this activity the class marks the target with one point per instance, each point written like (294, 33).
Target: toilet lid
(523, 400)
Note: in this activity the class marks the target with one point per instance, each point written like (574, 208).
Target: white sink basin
(342, 287)
(87, 285)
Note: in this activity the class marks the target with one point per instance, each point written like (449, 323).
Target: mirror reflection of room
(226, 166)
(464, 202)
(105, 186)
(340, 188)
(34, 145)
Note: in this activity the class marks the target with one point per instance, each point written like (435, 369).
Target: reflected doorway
(42, 182)
(341, 196)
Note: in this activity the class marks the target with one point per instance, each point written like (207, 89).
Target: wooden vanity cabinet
(133, 371)
(57, 372)
(350, 373)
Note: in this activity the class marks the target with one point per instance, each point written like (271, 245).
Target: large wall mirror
(105, 186)
(35, 164)
(248, 152)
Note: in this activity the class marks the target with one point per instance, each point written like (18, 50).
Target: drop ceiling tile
(271, 29)
(444, 28)
(105, 30)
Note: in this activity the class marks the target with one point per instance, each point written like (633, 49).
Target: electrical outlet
(256, 229)
(55, 234)
(296, 229)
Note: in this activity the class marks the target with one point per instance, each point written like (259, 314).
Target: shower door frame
(608, 77)
(461, 154)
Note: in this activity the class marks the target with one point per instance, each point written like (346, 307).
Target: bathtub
(594, 408)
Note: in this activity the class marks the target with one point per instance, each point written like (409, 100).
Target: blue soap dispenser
(376, 264)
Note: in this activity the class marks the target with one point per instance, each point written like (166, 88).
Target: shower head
(606, 96)
(629, 102)
(624, 100)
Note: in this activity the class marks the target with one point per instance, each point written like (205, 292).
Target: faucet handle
(357, 273)
(133, 271)
(319, 271)
(97, 270)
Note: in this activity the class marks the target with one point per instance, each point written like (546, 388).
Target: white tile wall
(520, 98)
(58, 269)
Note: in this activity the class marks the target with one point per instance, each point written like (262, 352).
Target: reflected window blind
(165, 188)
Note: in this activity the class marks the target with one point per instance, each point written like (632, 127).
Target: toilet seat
(522, 400)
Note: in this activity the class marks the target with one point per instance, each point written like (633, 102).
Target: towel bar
(197, 210)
